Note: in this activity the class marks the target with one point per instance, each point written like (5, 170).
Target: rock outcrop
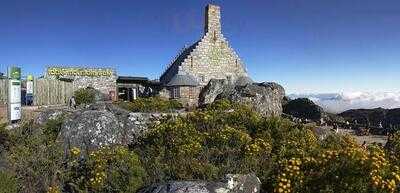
(104, 124)
(231, 184)
(373, 117)
(50, 114)
(266, 98)
(304, 108)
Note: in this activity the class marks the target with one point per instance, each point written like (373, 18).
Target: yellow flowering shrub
(109, 169)
(151, 104)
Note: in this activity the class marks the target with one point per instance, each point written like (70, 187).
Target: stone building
(211, 57)
(106, 81)
(101, 79)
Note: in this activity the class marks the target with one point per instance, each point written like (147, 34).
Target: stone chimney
(212, 19)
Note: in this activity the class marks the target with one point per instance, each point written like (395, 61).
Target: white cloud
(336, 103)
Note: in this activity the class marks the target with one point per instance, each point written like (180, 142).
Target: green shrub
(8, 183)
(35, 161)
(111, 169)
(85, 96)
(207, 144)
(227, 138)
(52, 128)
(4, 138)
(151, 104)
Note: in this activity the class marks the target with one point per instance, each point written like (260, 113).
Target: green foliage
(106, 170)
(8, 183)
(222, 138)
(52, 128)
(151, 104)
(227, 138)
(205, 144)
(35, 161)
(41, 165)
(4, 138)
(85, 96)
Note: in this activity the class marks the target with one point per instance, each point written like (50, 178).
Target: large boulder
(304, 108)
(213, 90)
(392, 117)
(367, 116)
(266, 98)
(104, 124)
(231, 184)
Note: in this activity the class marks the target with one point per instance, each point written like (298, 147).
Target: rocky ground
(369, 139)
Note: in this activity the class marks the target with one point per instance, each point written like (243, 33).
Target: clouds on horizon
(339, 102)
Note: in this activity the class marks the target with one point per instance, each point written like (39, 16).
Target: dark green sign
(14, 73)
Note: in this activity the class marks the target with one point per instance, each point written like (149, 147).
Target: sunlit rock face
(104, 124)
(266, 98)
(232, 183)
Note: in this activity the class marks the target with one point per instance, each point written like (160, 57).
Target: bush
(41, 165)
(8, 183)
(227, 138)
(52, 128)
(4, 138)
(151, 104)
(205, 144)
(85, 96)
(212, 142)
(105, 170)
(35, 161)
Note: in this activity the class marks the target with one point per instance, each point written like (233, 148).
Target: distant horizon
(307, 47)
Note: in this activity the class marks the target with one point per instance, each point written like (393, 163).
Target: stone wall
(212, 20)
(213, 58)
(189, 95)
(104, 82)
(3, 91)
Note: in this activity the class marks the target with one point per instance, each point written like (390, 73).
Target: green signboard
(14, 73)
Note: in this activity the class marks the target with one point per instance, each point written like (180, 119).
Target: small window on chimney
(202, 78)
(191, 62)
(215, 37)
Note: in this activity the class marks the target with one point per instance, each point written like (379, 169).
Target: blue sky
(305, 45)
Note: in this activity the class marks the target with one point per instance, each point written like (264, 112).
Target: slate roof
(183, 80)
(181, 57)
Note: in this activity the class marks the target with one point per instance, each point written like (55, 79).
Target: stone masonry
(102, 81)
(209, 58)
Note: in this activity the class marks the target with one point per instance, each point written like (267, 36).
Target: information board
(14, 93)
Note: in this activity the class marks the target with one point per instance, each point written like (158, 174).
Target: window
(191, 93)
(214, 37)
(175, 93)
(191, 62)
(202, 78)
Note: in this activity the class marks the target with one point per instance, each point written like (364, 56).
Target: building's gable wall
(209, 58)
(213, 58)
